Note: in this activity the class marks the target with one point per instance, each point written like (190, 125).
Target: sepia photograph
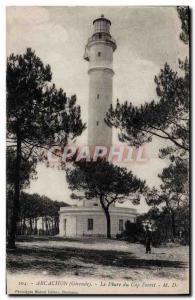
(98, 150)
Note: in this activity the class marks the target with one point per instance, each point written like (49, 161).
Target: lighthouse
(99, 54)
(87, 218)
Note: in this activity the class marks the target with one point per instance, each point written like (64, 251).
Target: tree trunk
(35, 226)
(46, 226)
(31, 228)
(42, 225)
(53, 227)
(173, 223)
(56, 225)
(107, 214)
(24, 226)
(20, 227)
(108, 223)
(16, 199)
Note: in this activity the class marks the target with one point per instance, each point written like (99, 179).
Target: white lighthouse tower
(99, 53)
(87, 218)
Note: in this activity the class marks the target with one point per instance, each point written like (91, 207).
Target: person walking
(148, 240)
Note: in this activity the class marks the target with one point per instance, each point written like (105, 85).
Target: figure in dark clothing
(148, 240)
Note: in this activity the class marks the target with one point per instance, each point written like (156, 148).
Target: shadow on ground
(30, 238)
(57, 261)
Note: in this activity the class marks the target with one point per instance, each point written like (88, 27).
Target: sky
(146, 38)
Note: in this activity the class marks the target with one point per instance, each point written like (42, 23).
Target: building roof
(97, 209)
(102, 18)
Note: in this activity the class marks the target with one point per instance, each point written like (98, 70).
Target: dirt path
(103, 258)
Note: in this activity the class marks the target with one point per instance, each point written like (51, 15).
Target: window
(90, 224)
(120, 225)
(98, 96)
(100, 35)
(97, 123)
(64, 227)
(102, 26)
(99, 53)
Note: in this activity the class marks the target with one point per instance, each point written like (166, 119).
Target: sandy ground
(109, 259)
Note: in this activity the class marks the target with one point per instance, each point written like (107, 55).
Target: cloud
(52, 183)
(28, 15)
(131, 73)
(31, 27)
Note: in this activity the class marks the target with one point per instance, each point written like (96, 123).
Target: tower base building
(89, 220)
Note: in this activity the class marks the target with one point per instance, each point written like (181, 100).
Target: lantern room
(102, 25)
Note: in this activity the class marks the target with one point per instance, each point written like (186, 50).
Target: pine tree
(36, 113)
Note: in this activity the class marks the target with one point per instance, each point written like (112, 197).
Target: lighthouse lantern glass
(102, 26)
